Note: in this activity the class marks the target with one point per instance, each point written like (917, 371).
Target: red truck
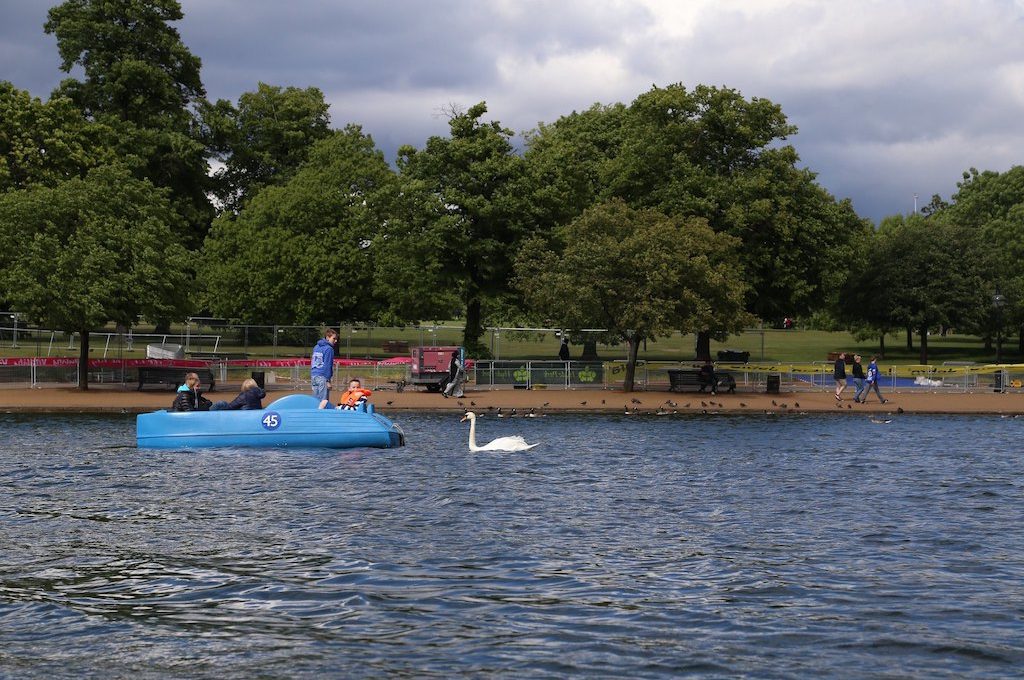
(430, 366)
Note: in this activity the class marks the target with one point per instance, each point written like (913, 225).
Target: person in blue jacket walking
(872, 381)
(321, 365)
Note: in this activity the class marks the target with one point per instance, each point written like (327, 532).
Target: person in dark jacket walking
(456, 376)
(563, 351)
(249, 399)
(839, 373)
(189, 396)
(858, 377)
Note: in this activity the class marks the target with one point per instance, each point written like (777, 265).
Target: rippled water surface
(621, 546)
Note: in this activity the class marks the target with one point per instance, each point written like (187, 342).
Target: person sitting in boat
(190, 397)
(352, 398)
(249, 399)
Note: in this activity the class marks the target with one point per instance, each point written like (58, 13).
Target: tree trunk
(589, 351)
(910, 339)
(1020, 340)
(83, 360)
(924, 345)
(881, 346)
(704, 346)
(474, 331)
(633, 346)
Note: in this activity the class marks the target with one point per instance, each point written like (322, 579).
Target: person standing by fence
(456, 377)
(321, 365)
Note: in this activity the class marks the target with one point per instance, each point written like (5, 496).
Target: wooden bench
(396, 346)
(682, 378)
(163, 375)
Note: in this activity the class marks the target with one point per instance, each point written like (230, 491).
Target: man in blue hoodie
(873, 380)
(321, 365)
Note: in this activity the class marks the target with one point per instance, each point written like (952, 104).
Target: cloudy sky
(892, 97)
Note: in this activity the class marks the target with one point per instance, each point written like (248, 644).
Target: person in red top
(352, 397)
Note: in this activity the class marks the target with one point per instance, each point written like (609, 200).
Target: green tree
(264, 139)
(92, 250)
(713, 154)
(913, 277)
(993, 204)
(866, 303)
(301, 252)
(637, 273)
(569, 161)
(454, 223)
(140, 79)
(47, 142)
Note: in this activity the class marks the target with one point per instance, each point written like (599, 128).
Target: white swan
(514, 443)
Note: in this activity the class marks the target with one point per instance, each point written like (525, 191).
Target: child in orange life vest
(352, 397)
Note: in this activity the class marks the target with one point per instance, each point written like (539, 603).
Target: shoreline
(116, 399)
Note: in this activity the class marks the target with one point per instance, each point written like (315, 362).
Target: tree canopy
(47, 142)
(921, 273)
(264, 139)
(636, 273)
(140, 79)
(455, 219)
(301, 252)
(713, 154)
(992, 205)
(92, 250)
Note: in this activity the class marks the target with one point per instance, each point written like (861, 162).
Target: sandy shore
(116, 399)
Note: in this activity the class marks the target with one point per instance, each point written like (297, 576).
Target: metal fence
(293, 374)
(212, 337)
(750, 377)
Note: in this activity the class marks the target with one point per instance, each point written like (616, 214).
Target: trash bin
(259, 377)
(774, 383)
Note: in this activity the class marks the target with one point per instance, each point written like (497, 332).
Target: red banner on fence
(70, 362)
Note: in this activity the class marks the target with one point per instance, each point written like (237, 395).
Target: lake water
(719, 546)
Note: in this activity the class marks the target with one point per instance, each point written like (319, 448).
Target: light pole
(998, 301)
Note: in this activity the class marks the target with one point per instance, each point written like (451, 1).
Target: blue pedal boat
(291, 421)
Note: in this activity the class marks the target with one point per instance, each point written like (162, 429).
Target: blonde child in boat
(249, 399)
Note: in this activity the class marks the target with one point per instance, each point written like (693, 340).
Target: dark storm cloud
(891, 98)
(28, 57)
(381, 46)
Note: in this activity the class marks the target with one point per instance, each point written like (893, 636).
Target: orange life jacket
(350, 398)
